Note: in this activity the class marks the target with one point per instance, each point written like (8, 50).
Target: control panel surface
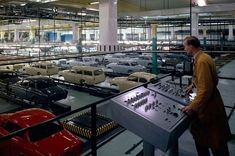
(171, 91)
(152, 116)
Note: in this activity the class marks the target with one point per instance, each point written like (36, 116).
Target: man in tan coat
(209, 126)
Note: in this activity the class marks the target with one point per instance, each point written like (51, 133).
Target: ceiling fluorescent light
(201, 2)
(92, 9)
(93, 3)
(47, 1)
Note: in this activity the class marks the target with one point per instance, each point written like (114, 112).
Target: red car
(48, 139)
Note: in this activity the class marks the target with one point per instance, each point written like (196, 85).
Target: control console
(152, 116)
(171, 91)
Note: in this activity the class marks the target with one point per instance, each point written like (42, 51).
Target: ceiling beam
(213, 8)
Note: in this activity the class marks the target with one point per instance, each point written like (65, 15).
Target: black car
(7, 77)
(38, 89)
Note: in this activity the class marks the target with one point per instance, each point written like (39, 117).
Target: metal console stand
(150, 150)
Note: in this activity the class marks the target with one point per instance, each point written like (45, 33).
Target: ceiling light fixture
(93, 3)
(43, 1)
(92, 9)
(201, 2)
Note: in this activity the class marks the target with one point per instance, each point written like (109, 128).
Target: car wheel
(82, 82)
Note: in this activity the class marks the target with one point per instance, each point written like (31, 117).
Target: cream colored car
(83, 75)
(14, 67)
(41, 68)
(135, 79)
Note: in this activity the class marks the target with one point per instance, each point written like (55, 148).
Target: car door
(77, 76)
(123, 67)
(88, 77)
(20, 88)
(142, 80)
(5, 146)
(16, 145)
(70, 75)
(31, 92)
(131, 82)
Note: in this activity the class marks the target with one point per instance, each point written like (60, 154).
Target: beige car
(135, 79)
(14, 67)
(83, 75)
(41, 68)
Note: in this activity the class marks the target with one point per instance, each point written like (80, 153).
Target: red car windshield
(44, 131)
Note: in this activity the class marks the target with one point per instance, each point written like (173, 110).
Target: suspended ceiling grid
(12, 11)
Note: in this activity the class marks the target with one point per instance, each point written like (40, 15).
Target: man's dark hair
(192, 40)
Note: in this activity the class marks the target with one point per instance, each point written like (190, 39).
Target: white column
(148, 37)
(58, 36)
(153, 31)
(16, 36)
(2, 35)
(9, 36)
(173, 36)
(194, 24)
(204, 30)
(79, 33)
(230, 33)
(75, 32)
(96, 35)
(31, 34)
(108, 25)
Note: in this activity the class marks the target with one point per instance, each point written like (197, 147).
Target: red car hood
(61, 143)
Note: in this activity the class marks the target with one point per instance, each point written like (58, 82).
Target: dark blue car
(38, 89)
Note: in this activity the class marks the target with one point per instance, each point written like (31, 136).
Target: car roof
(6, 71)
(43, 63)
(88, 68)
(37, 78)
(144, 75)
(127, 61)
(29, 117)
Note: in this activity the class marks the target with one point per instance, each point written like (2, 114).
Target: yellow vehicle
(41, 68)
(134, 79)
(83, 75)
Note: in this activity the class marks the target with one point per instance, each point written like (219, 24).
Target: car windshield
(132, 78)
(44, 131)
(45, 84)
(98, 72)
(49, 66)
(5, 75)
(134, 63)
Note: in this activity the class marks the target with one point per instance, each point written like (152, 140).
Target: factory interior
(109, 77)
